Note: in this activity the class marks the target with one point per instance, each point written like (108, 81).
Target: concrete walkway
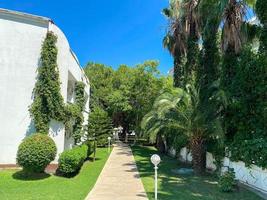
(119, 179)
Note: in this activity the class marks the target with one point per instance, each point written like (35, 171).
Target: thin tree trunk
(160, 144)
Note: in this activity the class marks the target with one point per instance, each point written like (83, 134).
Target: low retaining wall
(253, 176)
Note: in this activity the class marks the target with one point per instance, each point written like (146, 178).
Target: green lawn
(13, 187)
(177, 187)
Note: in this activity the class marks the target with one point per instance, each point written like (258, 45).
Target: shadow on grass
(27, 176)
(178, 187)
(91, 159)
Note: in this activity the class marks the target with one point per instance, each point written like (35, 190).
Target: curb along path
(119, 179)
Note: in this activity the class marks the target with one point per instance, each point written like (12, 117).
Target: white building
(21, 37)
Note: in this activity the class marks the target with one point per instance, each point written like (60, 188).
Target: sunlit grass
(177, 187)
(15, 186)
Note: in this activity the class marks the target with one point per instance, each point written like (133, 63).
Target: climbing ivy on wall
(74, 113)
(80, 101)
(248, 107)
(48, 103)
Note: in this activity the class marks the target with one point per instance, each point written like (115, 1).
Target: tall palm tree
(233, 18)
(192, 29)
(180, 109)
(175, 39)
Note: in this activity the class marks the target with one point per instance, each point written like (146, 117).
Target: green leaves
(71, 161)
(36, 152)
(245, 117)
(77, 115)
(100, 126)
(48, 102)
(127, 93)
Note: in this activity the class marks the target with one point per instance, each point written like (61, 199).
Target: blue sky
(112, 32)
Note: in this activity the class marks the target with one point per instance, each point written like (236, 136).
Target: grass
(15, 186)
(177, 187)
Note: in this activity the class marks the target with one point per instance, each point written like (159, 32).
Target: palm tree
(175, 39)
(233, 18)
(192, 29)
(182, 38)
(181, 110)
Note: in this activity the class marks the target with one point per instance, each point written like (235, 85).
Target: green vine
(74, 113)
(48, 103)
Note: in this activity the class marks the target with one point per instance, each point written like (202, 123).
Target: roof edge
(25, 15)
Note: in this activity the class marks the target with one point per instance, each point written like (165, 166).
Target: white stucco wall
(21, 37)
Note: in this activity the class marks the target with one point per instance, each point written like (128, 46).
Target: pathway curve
(119, 179)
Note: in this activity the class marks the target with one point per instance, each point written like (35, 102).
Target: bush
(227, 181)
(36, 152)
(90, 145)
(71, 161)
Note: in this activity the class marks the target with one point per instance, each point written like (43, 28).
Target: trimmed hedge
(71, 161)
(36, 152)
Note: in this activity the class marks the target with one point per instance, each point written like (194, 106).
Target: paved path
(119, 179)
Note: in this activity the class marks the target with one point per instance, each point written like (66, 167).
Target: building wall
(21, 39)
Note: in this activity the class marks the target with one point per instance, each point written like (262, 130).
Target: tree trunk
(198, 149)
(160, 144)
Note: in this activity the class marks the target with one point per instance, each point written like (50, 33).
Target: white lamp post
(109, 138)
(155, 159)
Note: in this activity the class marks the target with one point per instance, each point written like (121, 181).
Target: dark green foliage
(261, 7)
(228, 73)
(176, 140)
(78, 119)
(90, 145)
(179, 71)
(74, 113)
(252, 31)
(70, 161)
(248, 105)
(192, 60)
(208, 70)
(101, 83)
(127, 93)
(100, 126)
(36, 152)
(227, 182)
(232, 84)
(80, 94)
(48, 103)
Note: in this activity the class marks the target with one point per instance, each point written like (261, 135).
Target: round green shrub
(36, 152)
